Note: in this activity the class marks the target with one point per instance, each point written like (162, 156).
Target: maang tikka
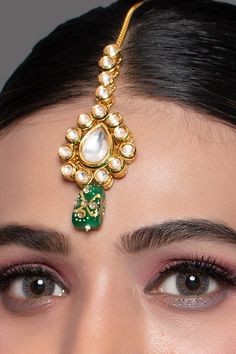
(99, 148)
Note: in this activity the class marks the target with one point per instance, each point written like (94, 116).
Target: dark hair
(176, 50)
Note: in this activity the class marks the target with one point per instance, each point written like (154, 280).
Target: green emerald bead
(89, 208)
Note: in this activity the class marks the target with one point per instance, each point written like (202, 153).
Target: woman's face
(168, 288)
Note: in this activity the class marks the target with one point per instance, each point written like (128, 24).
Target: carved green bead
(89, 208)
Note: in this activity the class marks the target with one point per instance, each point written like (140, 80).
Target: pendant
(98, 149)
(89, 208)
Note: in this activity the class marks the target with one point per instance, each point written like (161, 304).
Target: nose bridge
(105, 321)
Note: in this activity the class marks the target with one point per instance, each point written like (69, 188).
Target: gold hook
(126, 23)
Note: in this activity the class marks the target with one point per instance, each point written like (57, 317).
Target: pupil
(37, 287)
(192, 282)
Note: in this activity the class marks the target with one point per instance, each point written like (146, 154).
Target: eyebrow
(40, 239)
(168, 232)
(145, 238)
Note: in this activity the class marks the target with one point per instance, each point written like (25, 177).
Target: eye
(189, 284)
(29, 289)
(192, 284)
(35, 287)
(31, 281)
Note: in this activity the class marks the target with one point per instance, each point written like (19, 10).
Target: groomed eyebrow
(40, 239)
(145, 238)
(168, 232)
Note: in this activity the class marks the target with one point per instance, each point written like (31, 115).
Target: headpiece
(101, 146)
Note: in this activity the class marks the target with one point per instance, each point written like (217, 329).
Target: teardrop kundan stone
(96, 146)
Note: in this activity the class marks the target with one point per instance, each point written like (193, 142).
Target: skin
(185, 168)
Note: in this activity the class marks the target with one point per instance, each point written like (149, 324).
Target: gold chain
(126, 23)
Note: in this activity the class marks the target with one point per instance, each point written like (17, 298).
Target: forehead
(185, 167)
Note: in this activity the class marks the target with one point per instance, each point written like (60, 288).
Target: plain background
(25, 22)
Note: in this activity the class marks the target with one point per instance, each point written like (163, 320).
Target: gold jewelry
(101, 145)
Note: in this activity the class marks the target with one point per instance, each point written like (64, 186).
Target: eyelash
(209, 266)
(7, 275)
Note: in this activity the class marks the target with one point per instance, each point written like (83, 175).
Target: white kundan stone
(72, 135)
(103, 93)
(112, 50)
(94, 147)
(65, 152)
(128, 150)
(99, 111)
(84, 203)
(67, 170)
(107, 63)
(114, 119)
(93, 205)
(106, 78)
(101, 176)
(120, 132)
(82, 176)
(116, 164)
(85, 120)
(86, 190)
